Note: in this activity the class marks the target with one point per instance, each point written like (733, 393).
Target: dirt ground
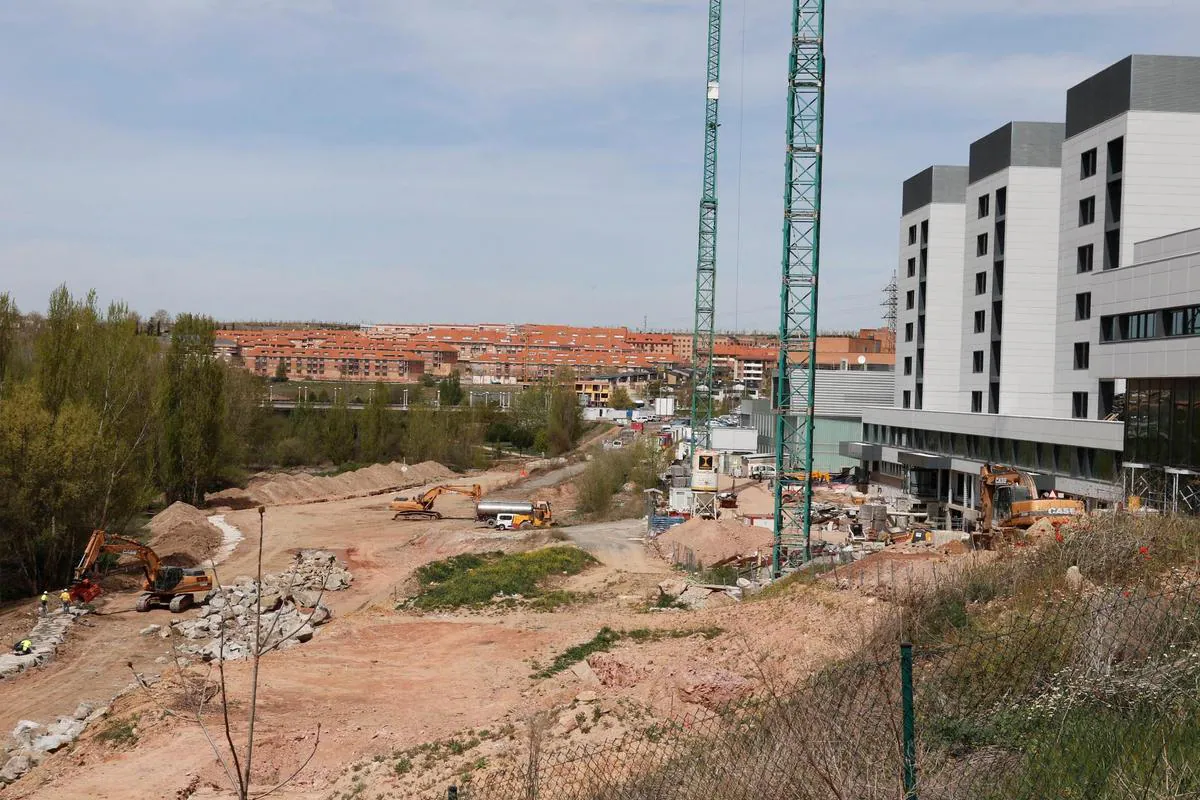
(378, 680)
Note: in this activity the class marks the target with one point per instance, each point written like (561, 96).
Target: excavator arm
(421, 506)
(426, 500)
(101, 543)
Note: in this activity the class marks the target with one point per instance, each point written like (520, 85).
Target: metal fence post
(910, 738)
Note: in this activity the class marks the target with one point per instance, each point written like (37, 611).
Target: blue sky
(492, 160)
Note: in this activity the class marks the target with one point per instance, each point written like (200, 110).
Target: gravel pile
(30, 742)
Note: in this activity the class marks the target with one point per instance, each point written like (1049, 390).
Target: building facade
(1077, 326)
(931, 247)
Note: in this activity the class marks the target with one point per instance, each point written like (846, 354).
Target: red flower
(1058, 537)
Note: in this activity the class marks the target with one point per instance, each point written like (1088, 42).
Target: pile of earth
(182, 536)
(714, 541)
(280, 488)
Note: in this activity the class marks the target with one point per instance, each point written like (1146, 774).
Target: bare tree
(233, 751)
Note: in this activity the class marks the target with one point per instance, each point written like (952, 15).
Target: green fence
(1090, 696)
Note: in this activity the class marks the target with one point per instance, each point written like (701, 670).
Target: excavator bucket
(84, 591)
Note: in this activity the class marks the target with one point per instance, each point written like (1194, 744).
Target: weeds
(607, 638)
(475, 580)
(120, 732)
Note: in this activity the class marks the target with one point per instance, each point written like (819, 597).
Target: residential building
(931, 249)
(1009, 278)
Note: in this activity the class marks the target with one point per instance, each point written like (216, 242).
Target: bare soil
(182, 536)
(380, 680)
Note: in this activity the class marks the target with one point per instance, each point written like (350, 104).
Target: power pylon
(891, 303)
(796, 374)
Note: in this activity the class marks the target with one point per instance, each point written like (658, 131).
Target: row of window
(1085, 255)
(1160, 324)
(985, 203)
(1078, 462)
(912, 233)
(1088, 160)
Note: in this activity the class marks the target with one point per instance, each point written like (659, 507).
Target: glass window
(1027, 455)
(1087, 164)
(1182, 424)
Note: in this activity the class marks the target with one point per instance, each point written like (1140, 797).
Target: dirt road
(620, 545)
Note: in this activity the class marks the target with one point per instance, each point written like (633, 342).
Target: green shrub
(473, 580)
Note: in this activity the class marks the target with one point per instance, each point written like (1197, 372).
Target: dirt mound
(715, 540)
(182, 535)
(284, 488)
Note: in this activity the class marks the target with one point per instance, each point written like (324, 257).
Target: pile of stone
(31, 743)
(696, 595)
(292, 608)
(49, 632)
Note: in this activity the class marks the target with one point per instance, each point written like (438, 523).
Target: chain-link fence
(1094, 694)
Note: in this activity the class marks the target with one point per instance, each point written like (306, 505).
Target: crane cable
(737, 258)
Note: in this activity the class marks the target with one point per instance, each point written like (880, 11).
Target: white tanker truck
(514, 513)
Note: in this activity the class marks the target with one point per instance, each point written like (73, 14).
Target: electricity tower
(891, 303)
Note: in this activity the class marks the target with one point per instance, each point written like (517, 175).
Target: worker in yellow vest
(66, 600)
(45, 600)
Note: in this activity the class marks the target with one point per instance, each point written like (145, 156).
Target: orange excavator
(421, 506)
(1008, 499)
(173, 587)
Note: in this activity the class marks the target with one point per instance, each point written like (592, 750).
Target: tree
(620, 399)
(375, 420)
(565, 420)
(281, 375)
(450, 391)
(10, 323)
(191, 411)
(339, 431)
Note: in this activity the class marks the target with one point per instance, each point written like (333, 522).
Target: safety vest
(65, 597)
(27, 644)
(45, 597)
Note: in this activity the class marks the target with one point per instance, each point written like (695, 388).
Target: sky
(493, 160)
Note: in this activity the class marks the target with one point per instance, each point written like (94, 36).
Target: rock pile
(31, 743)
(291, 603)
(49, 632)
(695, 595)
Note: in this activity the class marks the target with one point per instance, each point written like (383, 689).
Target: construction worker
(23, 647)
(66, 600)
(45, 600)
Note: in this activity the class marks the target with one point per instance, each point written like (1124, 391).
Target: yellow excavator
(163, 585)
(421, 506)
(1008, 501)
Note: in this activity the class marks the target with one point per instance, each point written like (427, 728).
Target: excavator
(173, 587)
(421, 506)
(1008, 500)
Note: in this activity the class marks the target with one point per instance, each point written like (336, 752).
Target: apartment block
(931, 248)
(1009, 279)
(1131, 173)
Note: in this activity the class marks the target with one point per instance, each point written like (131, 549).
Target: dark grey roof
(1017, 144)
(938, 184)
(1135, 83)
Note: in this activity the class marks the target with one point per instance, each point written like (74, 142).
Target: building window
(1087, 164)
(924, 263)
(999, 249)
(1001, 201)
(912, 268)
(907, 399)
(1116, 156)
(981, 244)
(1182, 321)
(980, 321)
(1084, 257)
(1087, 211)
(925, 232)
(985, 205)
(912, 234)
(908, 365)
(908, 331)
(977, 362)
(1112, 249)
(1079, 404)
(976, 402)
(1114, 201)
(980, 283)
(1083, 306)
(910, 299)
(998, 278)
(1082, 355)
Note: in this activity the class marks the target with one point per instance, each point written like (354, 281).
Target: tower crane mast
(706, 258)
(795, 375)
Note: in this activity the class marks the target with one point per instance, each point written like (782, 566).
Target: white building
(1075, 338)
(1008, 272)
(931, 247)
(1131, 173)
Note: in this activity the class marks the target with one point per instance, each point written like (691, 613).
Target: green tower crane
(706, 258)
(795, 375)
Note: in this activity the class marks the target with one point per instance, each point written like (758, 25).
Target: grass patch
(473, 580)
(120, 732)
(607, 637)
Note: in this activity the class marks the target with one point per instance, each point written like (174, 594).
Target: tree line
(101, 422)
